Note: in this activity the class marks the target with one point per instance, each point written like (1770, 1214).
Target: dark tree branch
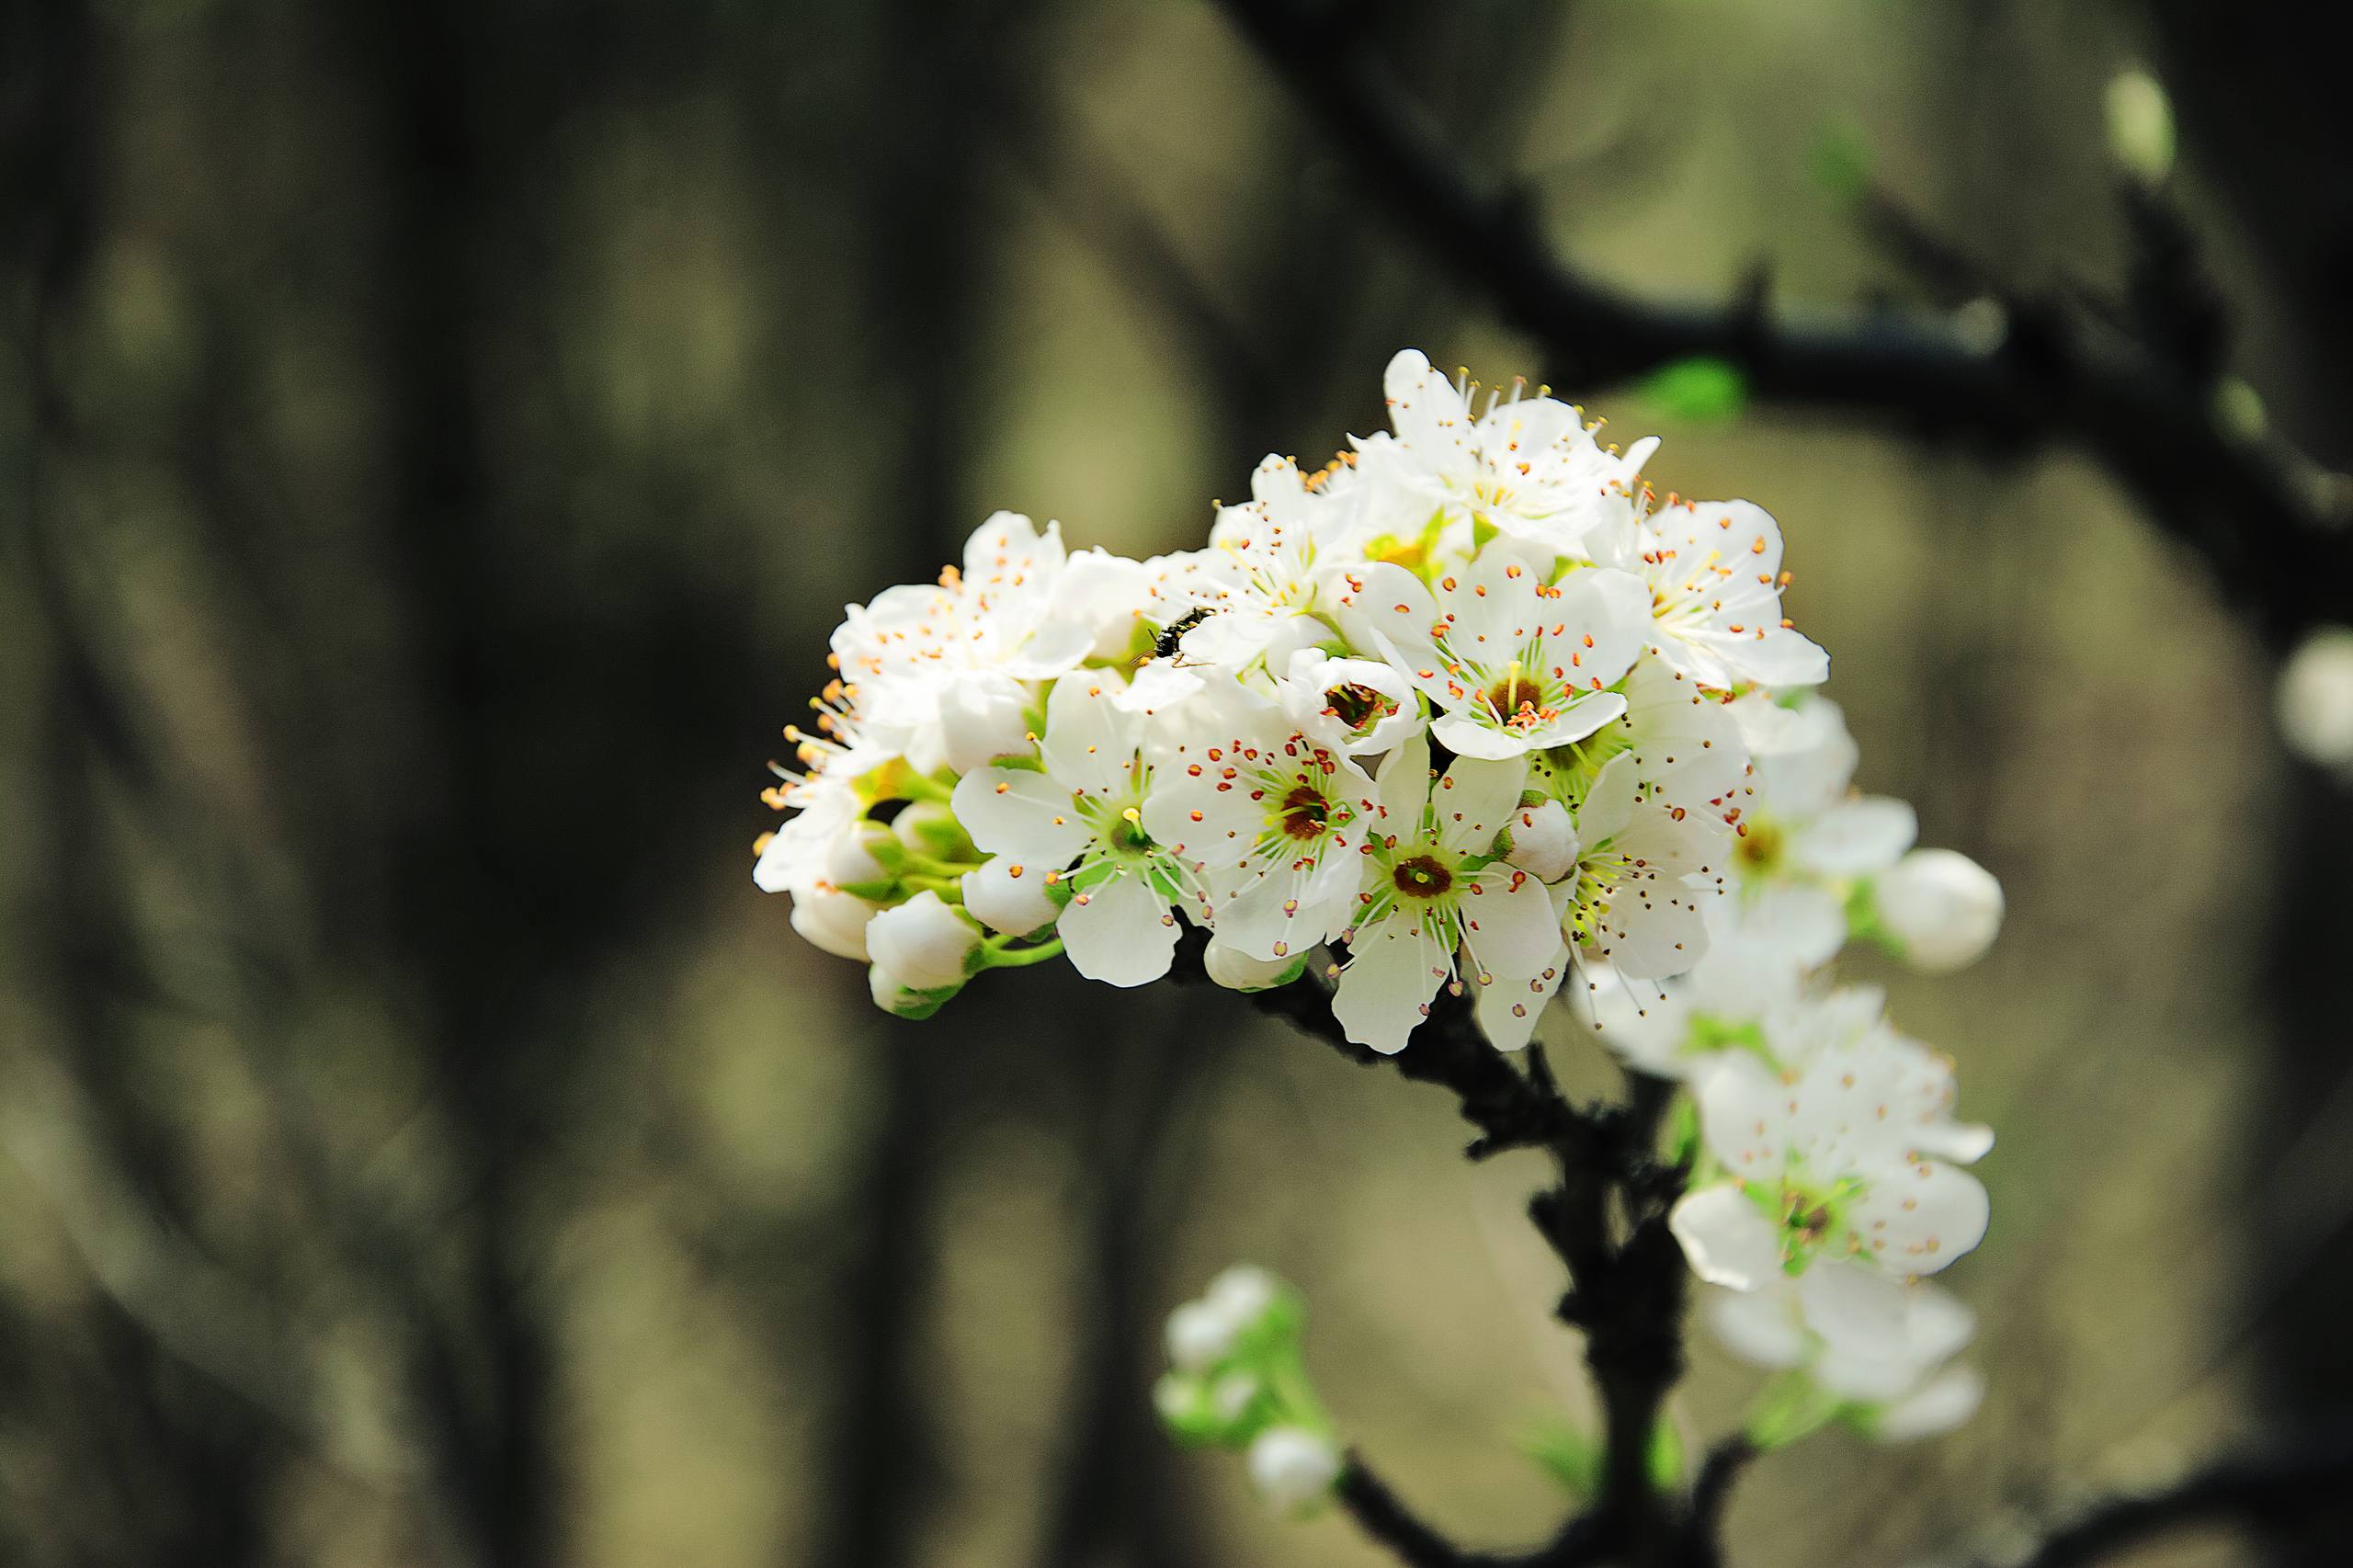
(2270, 526)
(2274, 1489)
(1605, 1216)
(1711, 1495)
(1384, 1517)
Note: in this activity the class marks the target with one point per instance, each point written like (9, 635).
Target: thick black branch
(2269, 525)
(1605, 1217)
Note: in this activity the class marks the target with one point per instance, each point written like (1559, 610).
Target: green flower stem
(1002, 957)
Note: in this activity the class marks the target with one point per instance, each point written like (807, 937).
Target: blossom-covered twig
(2270, 525)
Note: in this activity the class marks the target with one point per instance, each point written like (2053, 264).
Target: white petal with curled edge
(1855, 1304)
(1917, 1219)
(1016, 812)
(1009, 545)
(1466, 737)
(1856, 837)
(1119, 932)
(1725, 1238)
(1427, 410)
(1394, 970)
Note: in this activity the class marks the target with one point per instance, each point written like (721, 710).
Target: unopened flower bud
(1242, 1294)
(982, 718)
(1006, 895)
(1941, 907)
(1543, 841)
(923, 942)
(832, 920)
(1236, 970)
(929, 827)
(2315, 699)
(1293, 1468)
(1199, 1337)
(852, 857)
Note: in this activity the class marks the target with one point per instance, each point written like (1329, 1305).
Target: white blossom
(1510, 662)
(1435, 903)
(1526, 467)
(1835, 1174)
(1942, 908)
(1080, 818)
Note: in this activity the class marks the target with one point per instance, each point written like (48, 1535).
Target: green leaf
(1666, 1455)
(1568, 1454)
(1839, 161)
(1699, 391)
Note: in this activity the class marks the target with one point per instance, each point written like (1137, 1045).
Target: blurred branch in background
(2269, 524)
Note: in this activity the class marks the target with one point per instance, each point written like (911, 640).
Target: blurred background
(437, 439)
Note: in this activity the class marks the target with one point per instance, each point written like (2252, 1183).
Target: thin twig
(2273, 1488)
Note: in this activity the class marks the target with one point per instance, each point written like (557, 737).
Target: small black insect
(1172, 635)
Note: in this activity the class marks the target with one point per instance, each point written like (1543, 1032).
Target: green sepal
(920, 1004)
(1567, 1453)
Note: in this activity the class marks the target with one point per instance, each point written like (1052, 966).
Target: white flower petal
(1725, 1239)
(1394, 970)
(1119, 931)
(1023, 814)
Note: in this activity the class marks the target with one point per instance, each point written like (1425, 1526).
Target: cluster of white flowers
(1469, 709)
(1237, 1379)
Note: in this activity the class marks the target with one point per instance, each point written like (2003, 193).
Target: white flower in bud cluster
(2315, 699)
(1293, 1468)
(1942, 908)
(851, 861)
(1242, 1295)
(923, 943)
(834, 922)
(1199, 1337)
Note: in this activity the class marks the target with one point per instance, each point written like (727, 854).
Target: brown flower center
(1304, 813)
(1353, 704)
(1421, 877)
